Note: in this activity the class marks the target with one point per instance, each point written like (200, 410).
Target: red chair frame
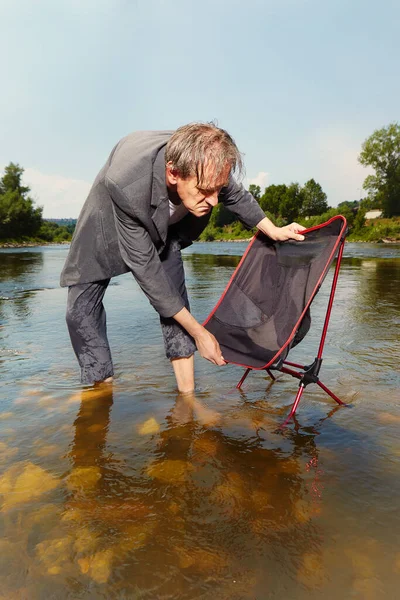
(306, 374)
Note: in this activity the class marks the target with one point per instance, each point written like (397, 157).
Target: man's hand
(206, 343)
(289, 232)
(208, 347)
(281, 234)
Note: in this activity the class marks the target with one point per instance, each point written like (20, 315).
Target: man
(152, 198)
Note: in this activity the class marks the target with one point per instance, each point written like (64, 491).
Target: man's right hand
(206, 343)
(208, 347)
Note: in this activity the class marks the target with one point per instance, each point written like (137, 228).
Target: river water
(133, 492)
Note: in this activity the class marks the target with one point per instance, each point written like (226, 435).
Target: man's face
(198, 200)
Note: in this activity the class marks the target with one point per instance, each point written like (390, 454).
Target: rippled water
(132, 492)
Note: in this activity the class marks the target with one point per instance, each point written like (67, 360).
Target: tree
(291, 203)
(359, 220)
(272, 198)
(255, 191)
(350, 204)
(18, 216)
(381, 151)
(221, 216)
(314, 199)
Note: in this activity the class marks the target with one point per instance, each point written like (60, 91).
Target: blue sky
(298, 83)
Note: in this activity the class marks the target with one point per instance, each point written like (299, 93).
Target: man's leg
(86, 320)
(184, 373)
(179, 345)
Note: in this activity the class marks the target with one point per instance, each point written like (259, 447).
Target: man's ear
(171, 174)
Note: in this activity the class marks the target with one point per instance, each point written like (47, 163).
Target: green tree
(351, 204)
(18, 216)
(381, 151)
(359, 221)
(272, 198)
(255, 191)
(221, 216)
(292, 201)
(314, 199)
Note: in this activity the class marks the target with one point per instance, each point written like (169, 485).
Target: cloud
(60, 197)
(261, 179)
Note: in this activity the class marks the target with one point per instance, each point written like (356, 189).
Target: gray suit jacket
(123, 224)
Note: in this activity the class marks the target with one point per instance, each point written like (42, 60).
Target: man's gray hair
(193, 146)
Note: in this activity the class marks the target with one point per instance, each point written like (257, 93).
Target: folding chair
(265, 308)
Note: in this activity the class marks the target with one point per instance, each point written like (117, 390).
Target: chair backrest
(264, 310)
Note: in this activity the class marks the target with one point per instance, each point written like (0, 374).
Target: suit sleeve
(140, 255)
(242, 203)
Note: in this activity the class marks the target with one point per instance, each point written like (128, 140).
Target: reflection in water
(203, 262)
(380, 285)
(206, 270)
(376, 312)
(188, 511)
(17, 274)
(198, 499)
(16, 265)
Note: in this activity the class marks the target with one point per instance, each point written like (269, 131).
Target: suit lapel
(159, 197)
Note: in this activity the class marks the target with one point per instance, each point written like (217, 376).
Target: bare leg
(184, 373)
(108, 380)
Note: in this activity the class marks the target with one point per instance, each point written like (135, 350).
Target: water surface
(134, 492)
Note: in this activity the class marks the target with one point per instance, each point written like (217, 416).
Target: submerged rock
(170, 471)
(97, 566)
(149, 427)
(25, 482)
(55, 554)
(83, 479)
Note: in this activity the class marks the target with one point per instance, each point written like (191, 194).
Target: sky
(299, 84)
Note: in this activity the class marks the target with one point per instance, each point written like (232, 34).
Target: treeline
(20, 220)
(69, 224)
(281, 203)
(308, 204)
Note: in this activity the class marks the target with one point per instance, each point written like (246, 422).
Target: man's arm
(140, 255)
(242, 203)
(206, 343)
(280, 234)
(245, 206)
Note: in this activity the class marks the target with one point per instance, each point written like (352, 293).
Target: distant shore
(31, 244)
(8, 245)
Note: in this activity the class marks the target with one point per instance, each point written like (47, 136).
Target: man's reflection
(91, 426)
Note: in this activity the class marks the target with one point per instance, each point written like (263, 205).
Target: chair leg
(331, 394)
(271, 374)
(239, 385)
(295, 404)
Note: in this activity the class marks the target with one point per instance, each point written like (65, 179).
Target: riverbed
(134, 492)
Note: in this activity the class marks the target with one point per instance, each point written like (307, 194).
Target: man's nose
(213, 199)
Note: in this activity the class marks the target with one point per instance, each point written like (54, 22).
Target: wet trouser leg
(86, 320)
(178, 343)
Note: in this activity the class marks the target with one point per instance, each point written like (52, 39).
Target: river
(134, 492)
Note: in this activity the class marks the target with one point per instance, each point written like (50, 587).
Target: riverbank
(16, 245)
(30, 244)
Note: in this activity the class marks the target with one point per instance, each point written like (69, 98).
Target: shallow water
(135, 492)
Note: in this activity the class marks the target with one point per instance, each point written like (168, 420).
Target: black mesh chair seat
(265, 309)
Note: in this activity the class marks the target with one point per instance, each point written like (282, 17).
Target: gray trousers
(86, 320)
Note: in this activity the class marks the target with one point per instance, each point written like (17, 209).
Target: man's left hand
(289, 232)
(281, 234)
